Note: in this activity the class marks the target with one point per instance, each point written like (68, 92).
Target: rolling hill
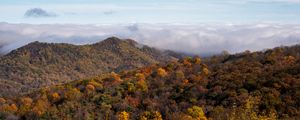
(43, 64)
(261, 85)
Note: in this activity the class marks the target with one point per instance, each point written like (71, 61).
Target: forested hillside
(42, 64)
(246, 86)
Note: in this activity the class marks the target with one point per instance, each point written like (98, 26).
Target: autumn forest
(263, 85)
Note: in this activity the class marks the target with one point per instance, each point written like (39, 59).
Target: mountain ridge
(250, 85)
(33, 64)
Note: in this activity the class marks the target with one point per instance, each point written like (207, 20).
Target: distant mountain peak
(36, 44)
(116, 40)
(39, 64)
(112, 40)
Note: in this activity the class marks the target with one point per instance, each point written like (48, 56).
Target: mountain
(1, 53)
(42, 64)
(261, 85)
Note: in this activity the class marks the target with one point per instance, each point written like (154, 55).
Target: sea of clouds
(202, 39)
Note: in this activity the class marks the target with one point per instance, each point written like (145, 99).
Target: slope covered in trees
(245, 86)
(42, 64)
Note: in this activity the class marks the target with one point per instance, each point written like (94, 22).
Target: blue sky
(150, 11)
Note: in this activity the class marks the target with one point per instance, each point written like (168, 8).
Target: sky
(149, 11)
(203, 27)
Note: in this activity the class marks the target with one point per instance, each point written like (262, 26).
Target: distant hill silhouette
(43, 64)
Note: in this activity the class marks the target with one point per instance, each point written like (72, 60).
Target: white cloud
(198, 39)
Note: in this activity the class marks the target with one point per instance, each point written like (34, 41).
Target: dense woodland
(38, 64)
(247, 86)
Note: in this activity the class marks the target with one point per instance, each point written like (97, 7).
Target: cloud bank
(38, 12)
(203, 39)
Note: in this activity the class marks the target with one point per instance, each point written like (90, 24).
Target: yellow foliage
(123, 116)
(72, 94)
(26, 101)
(151, 116)
(290, 59)
(180, 116)
(248, 112)
(140, 76)
(197, 60)
(157, 116)
(41, 106)
(186, 117)
(205, 71)
(180, 75)
(161, 72)
(130, 87)
(142, 85)
(96, 84)
(197, 113)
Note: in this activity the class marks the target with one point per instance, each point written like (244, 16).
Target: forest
(38, 65)
(262, 85)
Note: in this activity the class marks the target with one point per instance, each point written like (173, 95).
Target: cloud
(203, 39)
(38, 12)
(109, 12)
(133, 28)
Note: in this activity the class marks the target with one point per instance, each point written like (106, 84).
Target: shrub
(161, 72)
(123, 116)
(197, 113)
(2, 100)
(26, 101)
(90, 87)
(55, 96)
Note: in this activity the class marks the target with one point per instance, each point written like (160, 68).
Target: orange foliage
(2, 100)
(14, 107)
(115, 76)
(185, 81)
(146, 71)
(9, 108)
(90, 87)
(186, 61)
(161, 72)
(55, 96)
(133, 101)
